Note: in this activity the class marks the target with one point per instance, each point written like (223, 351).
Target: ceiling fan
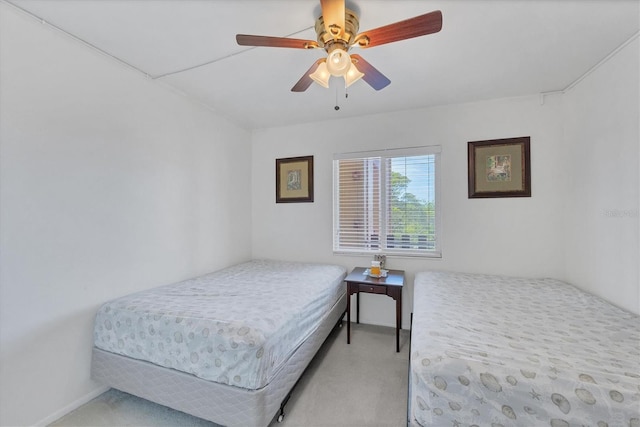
(337, 30)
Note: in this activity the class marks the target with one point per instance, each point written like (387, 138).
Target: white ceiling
(487, 49)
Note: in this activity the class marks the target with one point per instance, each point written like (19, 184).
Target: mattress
(499, 351)
(237, 326)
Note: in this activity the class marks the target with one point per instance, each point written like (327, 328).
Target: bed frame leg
(281, 413)
(339, 322)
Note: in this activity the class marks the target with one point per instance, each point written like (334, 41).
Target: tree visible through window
(386, 202)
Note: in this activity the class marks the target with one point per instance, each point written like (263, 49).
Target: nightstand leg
(398, 321)
(348, 317)
(357, 307)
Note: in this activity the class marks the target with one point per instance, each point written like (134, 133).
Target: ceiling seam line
(77, 39)
(221, 58)
(594, 67)
(193, 67)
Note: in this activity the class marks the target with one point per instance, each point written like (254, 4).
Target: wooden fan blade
(372, 76)
(249, 40)
(304, 83)
(428, 23)
(333, 14)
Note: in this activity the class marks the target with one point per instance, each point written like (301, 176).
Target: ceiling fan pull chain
(337, 107)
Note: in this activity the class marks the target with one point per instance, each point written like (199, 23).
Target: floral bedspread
(235, 326)
(504, 351)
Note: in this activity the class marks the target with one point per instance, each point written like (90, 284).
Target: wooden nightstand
(391, 286)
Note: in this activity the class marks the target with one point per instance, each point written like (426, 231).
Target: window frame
(382, 249)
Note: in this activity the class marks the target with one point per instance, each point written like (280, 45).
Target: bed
(228, 346)
(503, 351)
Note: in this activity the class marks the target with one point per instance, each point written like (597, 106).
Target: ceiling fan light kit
(321, 75)
(337, 31)
(353, 75)
(338, 61)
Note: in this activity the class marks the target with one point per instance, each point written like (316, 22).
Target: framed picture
(499, 168)
(294, 180)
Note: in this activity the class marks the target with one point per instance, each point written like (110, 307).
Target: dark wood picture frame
(294, 180)
(499, 168)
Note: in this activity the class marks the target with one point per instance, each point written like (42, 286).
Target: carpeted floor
(360, 384)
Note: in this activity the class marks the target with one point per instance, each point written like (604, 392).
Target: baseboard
(72, 406)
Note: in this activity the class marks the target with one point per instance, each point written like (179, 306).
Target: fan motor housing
(326, 40)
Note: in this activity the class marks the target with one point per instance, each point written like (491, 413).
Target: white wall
(515, 236)
(110, 184)
(602, 217)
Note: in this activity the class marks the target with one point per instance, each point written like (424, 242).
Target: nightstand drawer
(372, 289)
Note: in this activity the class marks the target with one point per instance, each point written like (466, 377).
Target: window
(387, 201)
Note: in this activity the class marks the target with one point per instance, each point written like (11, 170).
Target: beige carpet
(360, 384)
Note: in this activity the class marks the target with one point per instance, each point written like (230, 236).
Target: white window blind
(386, 201)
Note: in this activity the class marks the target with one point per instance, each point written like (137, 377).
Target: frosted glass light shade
(338, 62)
(321, 75)
(352, 76)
